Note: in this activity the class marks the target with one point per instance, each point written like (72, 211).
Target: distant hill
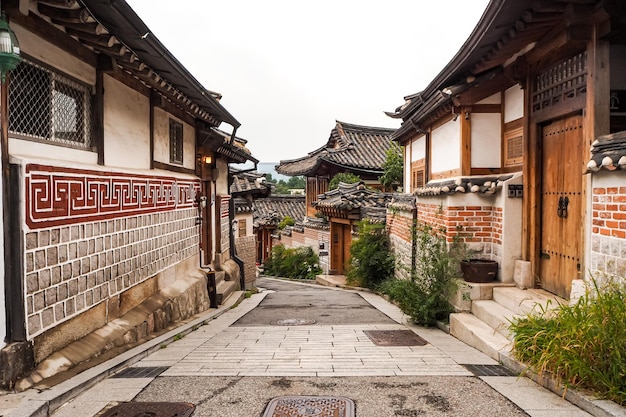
(268, 168)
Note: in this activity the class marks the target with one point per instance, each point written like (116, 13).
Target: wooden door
(561, 204)
(341, 239)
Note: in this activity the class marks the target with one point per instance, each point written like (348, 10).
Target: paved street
(236, 364)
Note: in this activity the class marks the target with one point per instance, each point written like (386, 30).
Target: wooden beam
(466, 141)
(106, 40)
(92, 28)
(65, 15)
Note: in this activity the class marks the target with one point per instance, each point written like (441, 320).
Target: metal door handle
(561, 210)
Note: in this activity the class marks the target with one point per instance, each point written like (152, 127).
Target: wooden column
(466, 141)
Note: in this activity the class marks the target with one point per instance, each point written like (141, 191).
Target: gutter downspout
(231, 233)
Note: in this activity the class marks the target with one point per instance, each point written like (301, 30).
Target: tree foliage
(393, 167)
(299, 263)
(284, 187)
(345, 177)
(371, 260)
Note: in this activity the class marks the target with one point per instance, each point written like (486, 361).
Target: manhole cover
(394, 338)
(151, 410)
(302, 406)
(141, 372)
(292, 322)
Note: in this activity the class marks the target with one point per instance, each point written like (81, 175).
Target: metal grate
(301, 406)
(141, 372)
(489, 370)
(46, 105)
(176, 142)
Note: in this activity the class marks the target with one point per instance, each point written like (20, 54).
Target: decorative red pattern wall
(91, 235)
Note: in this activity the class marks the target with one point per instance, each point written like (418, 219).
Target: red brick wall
(478, 224)
(609, 212)
(400, 224)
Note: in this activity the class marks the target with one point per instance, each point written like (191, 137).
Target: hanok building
(115, 185)
(360, 150)
(499, 147)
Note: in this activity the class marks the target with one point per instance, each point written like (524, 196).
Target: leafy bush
(371, 260)
(426, 296)
(582, 345)
(345, 177)
(299, 263)
(393, 167)
(286, 221)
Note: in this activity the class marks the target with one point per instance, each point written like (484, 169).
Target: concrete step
(494, 315)
(474, 332)
(526, 301)
(224, 290)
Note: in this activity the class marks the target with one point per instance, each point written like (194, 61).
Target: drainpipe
(231, 233)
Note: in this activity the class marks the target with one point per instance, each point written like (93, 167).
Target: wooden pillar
(466, 141)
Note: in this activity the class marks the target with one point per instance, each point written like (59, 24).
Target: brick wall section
(399, 227)
(608, 232)
(70, 269)
(246, 251)
(478, 226)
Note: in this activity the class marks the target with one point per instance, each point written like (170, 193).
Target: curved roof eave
(122, 22)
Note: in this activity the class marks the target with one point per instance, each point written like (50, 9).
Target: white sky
(287, 69)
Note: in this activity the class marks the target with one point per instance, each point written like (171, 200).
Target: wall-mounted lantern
(9, 48)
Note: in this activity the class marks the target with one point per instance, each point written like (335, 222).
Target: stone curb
(43, 403)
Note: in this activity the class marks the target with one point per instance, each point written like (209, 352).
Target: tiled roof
(271, 210)
(242, 205)
(350, 148)
(403, 202)
(348, 197)
(476, 184)
(234, 148)
(249, 183)
(608, 152)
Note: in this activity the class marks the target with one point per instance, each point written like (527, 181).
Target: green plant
(178, 336)
(299, 263)
(393, 167)
(345, 177)
(371, 259)
(581, 345)
(426, 296)
(286, 221)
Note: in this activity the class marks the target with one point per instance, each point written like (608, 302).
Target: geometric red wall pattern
(58, 196)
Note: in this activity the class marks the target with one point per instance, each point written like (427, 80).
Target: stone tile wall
(72, 268)
(246, 251)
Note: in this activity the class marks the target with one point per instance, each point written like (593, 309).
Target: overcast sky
(287, 69)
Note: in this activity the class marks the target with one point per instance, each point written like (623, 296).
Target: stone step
(474, 332)
(494, 315)
(224, 290)
(526, 301)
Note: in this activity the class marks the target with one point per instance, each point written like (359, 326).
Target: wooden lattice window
(418, 174)
(513, 143)
(562, 83)
(176, 142)
(242, 227)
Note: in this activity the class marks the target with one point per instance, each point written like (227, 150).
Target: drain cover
(394, 338)
(141, 372)
(301, 406)
(489, 370)
(292, 322)
(151, 410)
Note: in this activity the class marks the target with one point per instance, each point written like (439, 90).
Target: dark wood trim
(446, 174)
(105, 65)
(484, 171)
(176, 111)
(466, 140)
(45, 30)
(131, 82)
(554, 112)
(514, 124)
(173, 168)
(155, 101)
(486, 108)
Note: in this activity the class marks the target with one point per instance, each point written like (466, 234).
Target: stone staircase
(225, 286)
(486, 325)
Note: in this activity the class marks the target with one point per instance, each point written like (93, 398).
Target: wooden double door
(562, 202)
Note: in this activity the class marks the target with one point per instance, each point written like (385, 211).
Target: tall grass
(582, 345)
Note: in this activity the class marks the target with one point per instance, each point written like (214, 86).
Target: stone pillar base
(18, 360)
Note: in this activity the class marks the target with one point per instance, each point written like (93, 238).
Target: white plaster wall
(407, 170)
(513, 103)
(162, 139)
(44, 51)
(511, 249)
(419, 149)
(446, 146)
(486, 140)
(493, 99)
(222, 177)
(54, 153)
(126, 126)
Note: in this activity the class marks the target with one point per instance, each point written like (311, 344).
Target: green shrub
(426, 296)
(286, 221)
(371, 260)
(581, 345)
(299, 263)
(345, 177)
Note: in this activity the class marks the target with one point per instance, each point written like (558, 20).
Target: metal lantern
(9, 48)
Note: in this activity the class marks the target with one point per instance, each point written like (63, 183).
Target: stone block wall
(400, 226)
(102, 234)
(246, 250)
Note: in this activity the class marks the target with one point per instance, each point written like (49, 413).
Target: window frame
(176, 140)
